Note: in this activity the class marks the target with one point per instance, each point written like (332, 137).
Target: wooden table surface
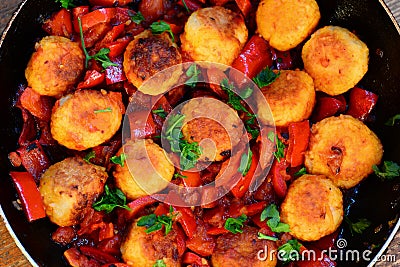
(11, 256)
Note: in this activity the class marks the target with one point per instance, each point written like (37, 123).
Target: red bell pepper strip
(190, 178)
(97, 254)
(244, 6)
(92, 78)
(141, 125)
(139, 204)
(59, 24)
(102, 15)
(187, 220)
(29, 195)
(115, 74)
(299, 135)
(201, 243)
(193, 258)
(110, 36)
(361, 103)
(217, 231)
(110, 3)
(192, 5)
(255, 56)
(78, 12)
(328, 106)
(283, 59)
(118, 47)
(244, 183)
(34, 159)
(38, 105)
(279, 177)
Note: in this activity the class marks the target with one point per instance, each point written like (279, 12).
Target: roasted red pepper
(201, 243)
(110, 36)
(115, 74)
(328, 106)
(299, 135)
(279, 177)
(110, 3)
(34, 159)
(192, 258)
(361, 103)
(187, 220)
(142, 125)
(190, 178)
(59, 24)
(97, 254)
(192, 5)
(92, 78)
(98, 16)
(29, 195)
(78, 12)
(283, 59)
(244, 6)
(139, 204)
(38, 105)
(244, 183)
(118, 47)
(217, 231)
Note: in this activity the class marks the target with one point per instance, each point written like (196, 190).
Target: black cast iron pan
(373, 199)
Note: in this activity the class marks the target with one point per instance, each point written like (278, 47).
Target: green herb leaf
(280, 147)
(160, 112)
(137, 17)
(160, 263)
(193, 74)
(66, 3)
(389, 170)
(186, 7)
(103, 110)
(271, 212)
(190, 153)
(147, 221)
(289, 251)
(178, 175)
(89, 156)
(102, 57)
(392, 121)
(266, 237)
(87, 57)
(265, 77)
(246, 93)
(154, 223)
(253, 132)
(159, 27)
(245, 163)
(359, 226)
(301, 172)
(119, 159)
(110, 200)
(235, 225)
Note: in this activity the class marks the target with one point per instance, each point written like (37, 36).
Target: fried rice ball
(86, 118)
(336, 59)
(214, 34)
(343, 149)
(142, 249)
(70, 186)
(291, 98)
(313, 207)
(139, 176)
(147, 55)
(55, 66)
(286, 23)
(213, 125)
(243, 249)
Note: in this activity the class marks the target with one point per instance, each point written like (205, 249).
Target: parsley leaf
(160, 263)
(245, 163)
(178, 175)
(111, 199)
(193, 74)
(89, 156)
(66, 3)
(271, 212)
(235, 225)
(154, 223)
(280, 147)
(160, 112)
(392, 121)
(265, 77)
(159, 27)
(102, 57)
(137, 17)
(186, 7)
(289, 251)
(103, 110)
(301, 172)
(389, 170)
(359, 226)
(119, 159)
(266, 237)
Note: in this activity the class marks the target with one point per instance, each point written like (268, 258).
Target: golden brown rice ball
(214, 34)
(139, 176)
(291, 98)
(213, 125)
(286, 23)
(142, 249)
(343, 149)
(336, 59)
(86, 118)
(313, 207)
(55, 66)
(149, 54)
(237, 250)
(70, 186)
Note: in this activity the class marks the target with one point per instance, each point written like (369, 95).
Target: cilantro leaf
(289, 251)
(89, 156)
(161, 26)
(66, 3)
(392, 121)
(389, 170)
(193, 74)
(137, 17)
(235, 225)
(102, 57)
(265, 77)
(359, 226)
(160, 112)
(266, 237)
(103, 110)
(110, 200)
(154, 223)
(301, 172)
(119, 159)
(245, 163)
(160, 263)
(280, 147)
(274, 220)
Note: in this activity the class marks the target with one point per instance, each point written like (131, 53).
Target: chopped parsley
(266, 237)
(160, 112)
(245, 163)
(192, 73)
(388, 171)
(103, 110)
(161, 26)
(178, 175)
(289, 251)
(274, 220)
(120, 160)
(89, 156)
(137, 17)
(280, 147)
(160, 263)
(110, 200)
(301, 172)
(154, 223)
(357, 227)
(392, 121)
(235, 225)
(265, 77)
(66, 3)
